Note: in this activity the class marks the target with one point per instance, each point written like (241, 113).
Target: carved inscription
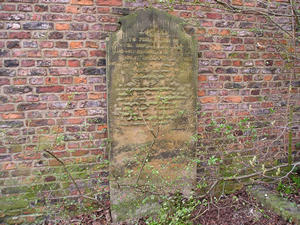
(151, 107)
(149, 90)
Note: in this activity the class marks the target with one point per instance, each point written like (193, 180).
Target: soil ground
(238, 208)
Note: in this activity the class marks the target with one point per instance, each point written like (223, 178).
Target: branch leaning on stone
(150, 147)
(71, 177)
(235, 178)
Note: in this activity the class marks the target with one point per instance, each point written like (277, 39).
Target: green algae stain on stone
(152, 72)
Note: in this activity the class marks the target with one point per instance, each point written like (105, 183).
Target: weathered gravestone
(151, 106)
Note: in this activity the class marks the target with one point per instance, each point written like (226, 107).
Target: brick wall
(53, 90)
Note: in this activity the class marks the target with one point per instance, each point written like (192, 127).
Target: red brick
(41, 122)
(214, 16)
(6, 107)
(62, 26)
(27, 63)
(50, 53)
(19, 35)
(72, 9)
(66, 80)
(8, 116)
(89, 62)
(202, 77)
(79, 80)
(74, 63)
(82, 2)
(19, 81)
(95, 95)
(251, 99)
(8, 8)
(91, 44)
(238, 78)
(59, 62)
(80, 152)
(4, 81)
(109, 2)
(237, 2)
(233, 99)
(46, 44)
(76, 44)
(101, 127)
(51, 80)
(103, 10)
(209, 99)
(97, 53)
(80, 112)
(268, 77)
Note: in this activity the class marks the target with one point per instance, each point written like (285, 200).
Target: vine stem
(71, 177)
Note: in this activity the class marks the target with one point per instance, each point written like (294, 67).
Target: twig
(144, 161)
(71, 177)
(258, 173)
(65, 168)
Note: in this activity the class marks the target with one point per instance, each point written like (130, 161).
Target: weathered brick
(85, 18)
(56, 35)
(74, 53)
(94, 71)
(79, 26)
(41, 8)
(61, 44)
(58, 62)
(97, 120)
(41, 122)
(19, 35)
(11, 63)
(120, 11)
(51, 80)
(6, 107)
(30, 44)
(251, 99)
(101, 62)
(31, 106)
(17, 90)
(57, 17)
(4, 53)
(19, 81)
(57, 8)
(12, 17)
(38, 26)
(50, 89)
(233, 86)
(13, 44)
(11, 124)
(75, 36)
(4, 81)
(213, 16)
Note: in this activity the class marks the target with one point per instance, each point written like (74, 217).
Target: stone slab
(152, 80)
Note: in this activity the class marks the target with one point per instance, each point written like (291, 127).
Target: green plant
(284, 188)
(213, 160)
(175, 210)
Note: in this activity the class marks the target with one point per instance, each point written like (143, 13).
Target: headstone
(152, 70)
